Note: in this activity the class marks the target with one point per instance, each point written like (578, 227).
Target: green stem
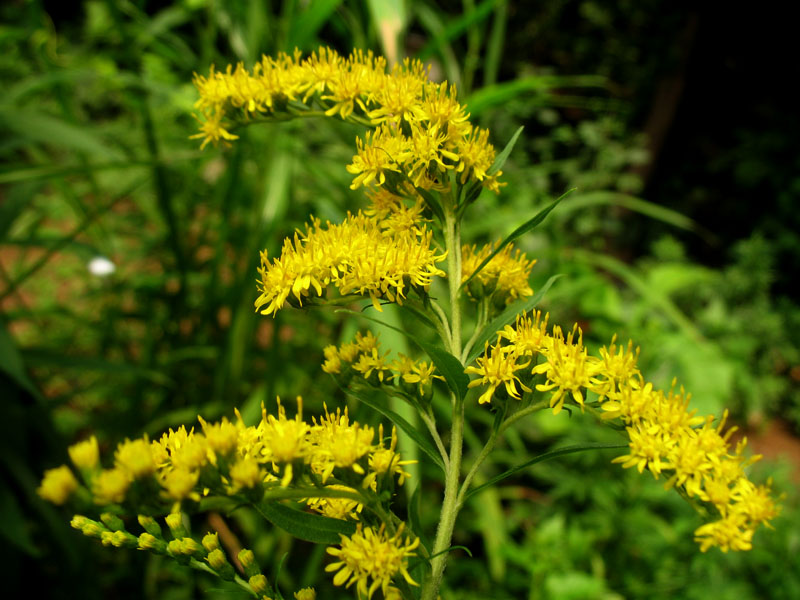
(447, 517)
(490, 443)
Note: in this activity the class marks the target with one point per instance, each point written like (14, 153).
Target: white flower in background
(101, 266)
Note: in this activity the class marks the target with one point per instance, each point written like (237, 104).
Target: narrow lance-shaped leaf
(501, 158)
(305, 526)
(542, 458)
(518, 232)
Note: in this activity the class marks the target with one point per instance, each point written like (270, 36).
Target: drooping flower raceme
(666, 437)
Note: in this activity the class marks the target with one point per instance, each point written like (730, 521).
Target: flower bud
(175, 524)
(150, 525)
(259, 584)
(113, 522)
(220, 564)
(148, 541)
(211, 542)
(249, 564)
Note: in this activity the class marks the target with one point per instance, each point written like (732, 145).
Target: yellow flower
(222, 437)
(338, 443)
(110, 486)
(496, 368)
(85, 454)
(568, 368)
(246, 473)
(506, 275)
(476, 156)
(135, 458)
(305, 594)
(729, 533)
(398, 94)
(284, 440)
(57, 485)
(371, 559)
(385, 149)
(356, 256)
(337, 508)
(179, 483)
(529, 336)
(386, 460)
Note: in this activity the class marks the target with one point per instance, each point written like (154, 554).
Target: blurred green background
(128, 263)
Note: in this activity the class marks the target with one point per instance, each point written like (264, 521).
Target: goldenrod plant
(332, 480)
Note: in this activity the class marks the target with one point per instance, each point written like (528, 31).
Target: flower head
(371, 559)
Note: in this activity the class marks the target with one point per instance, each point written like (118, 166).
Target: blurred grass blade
(506, 317)
(501, 93)
(45, 129)
(12, 364)
(518, 232)
(648, 209)
(542, 458)
(456, 27)
(305, 26)
(635, 282)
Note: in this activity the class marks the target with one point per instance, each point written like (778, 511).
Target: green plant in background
(424, 166)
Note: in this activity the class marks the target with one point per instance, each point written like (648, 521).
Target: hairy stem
(447, 518)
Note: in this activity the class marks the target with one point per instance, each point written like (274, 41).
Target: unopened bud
(113, 522)
(150, 525)
(248, 560)
(150, 542)
(175, 524)
(259, 584)
(211, 541)
(93, 529)
(191, 547)
(220, 564)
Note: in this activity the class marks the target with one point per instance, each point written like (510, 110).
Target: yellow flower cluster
(504, 278)
(422, 131)
(228, 458)
(666, 437)
(363, 358)
(370, 558)
(358, 256)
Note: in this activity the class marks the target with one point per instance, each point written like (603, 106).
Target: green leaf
(305, 526)
(417, 436)
(501, 158)
(448, 365)
(500, 93)
(541, 458)
(518, 232)
(507, 316)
